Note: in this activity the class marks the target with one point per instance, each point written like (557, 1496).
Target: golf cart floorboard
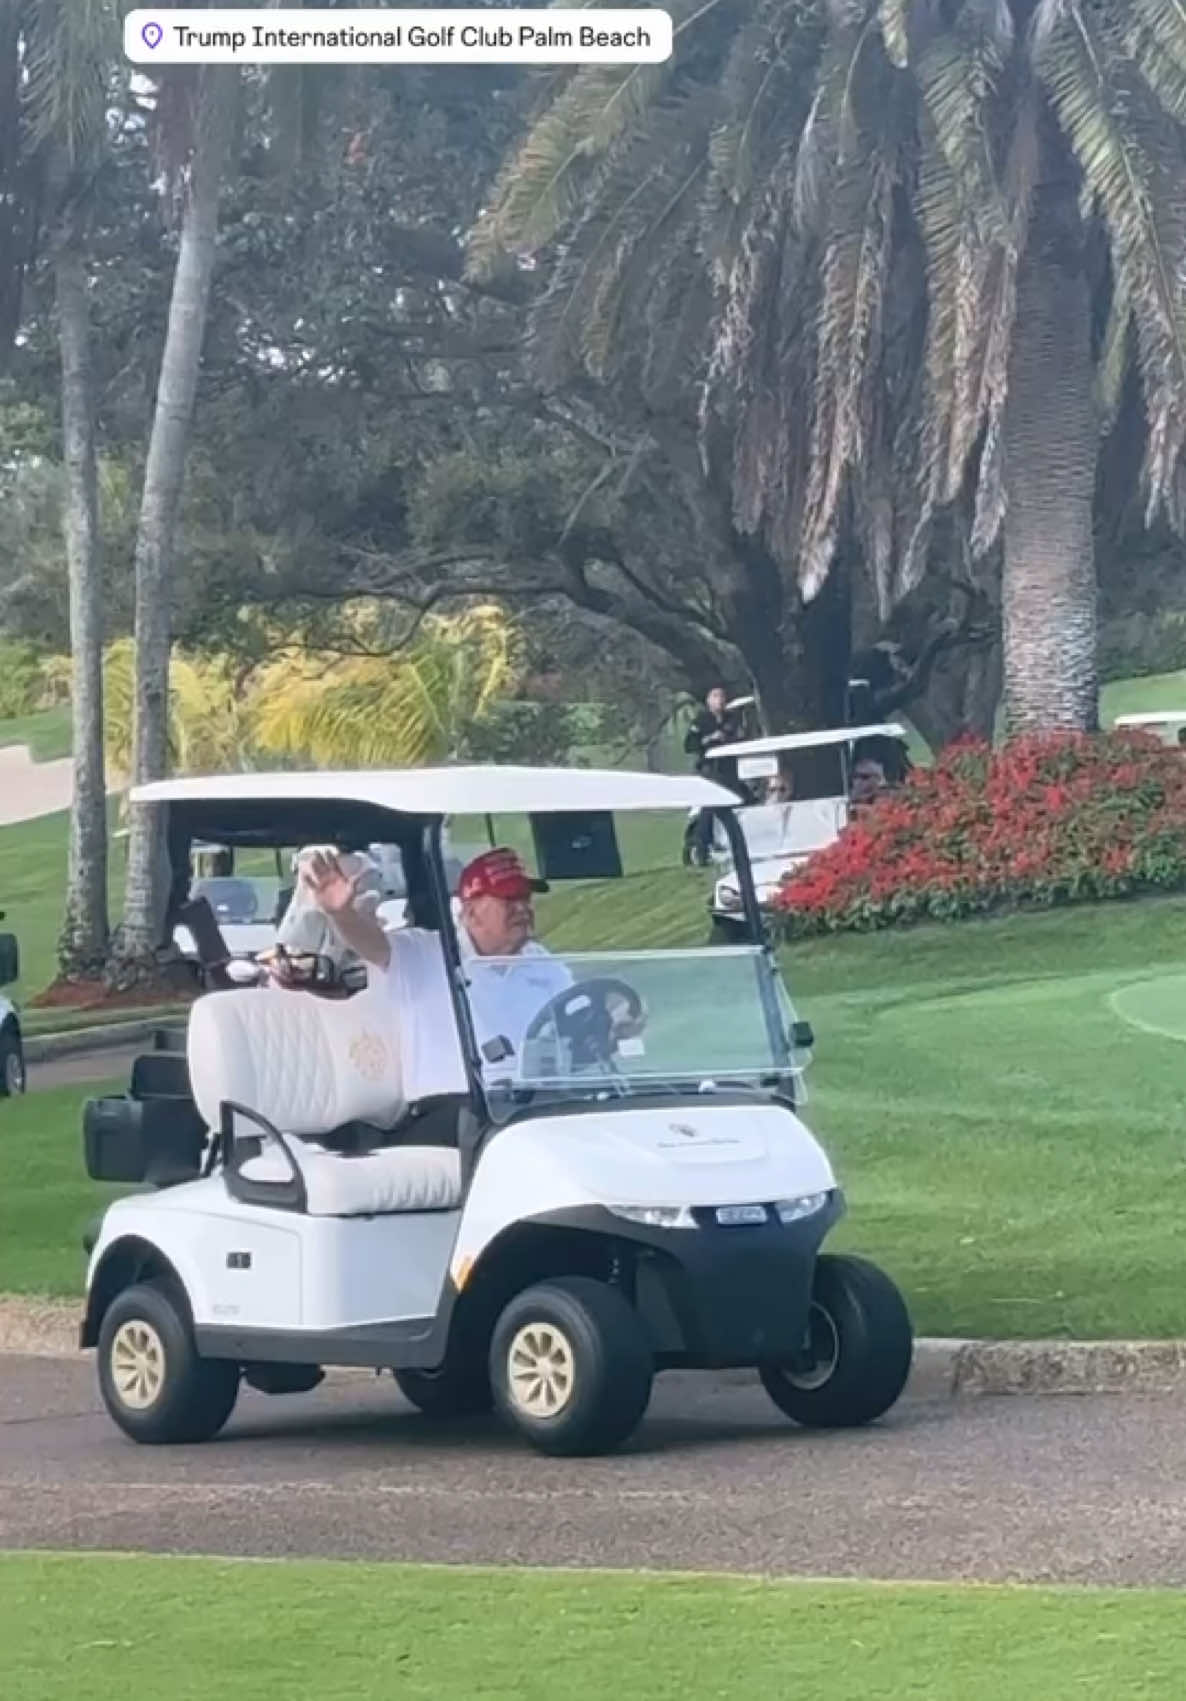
(409, 1343)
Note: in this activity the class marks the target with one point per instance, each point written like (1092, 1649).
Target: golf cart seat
(277, 1072)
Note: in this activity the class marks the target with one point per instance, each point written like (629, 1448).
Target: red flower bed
(1043, 821)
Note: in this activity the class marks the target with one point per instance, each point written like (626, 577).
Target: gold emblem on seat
(368, 1053)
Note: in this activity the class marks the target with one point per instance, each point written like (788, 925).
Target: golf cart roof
(486, 790)
(1160, 717)
(808, 740)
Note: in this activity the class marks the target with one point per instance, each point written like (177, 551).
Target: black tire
(864, 1343)
(605, 1381)
(453, 1391)
(12, 1065)
(195, 1395)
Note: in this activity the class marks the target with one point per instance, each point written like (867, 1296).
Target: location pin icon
(152, 34)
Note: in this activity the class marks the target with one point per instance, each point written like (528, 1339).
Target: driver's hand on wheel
(625, 1026)
(328, 884)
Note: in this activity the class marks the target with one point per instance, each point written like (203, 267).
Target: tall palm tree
(66, 60)
(213, 96)
(908, 256)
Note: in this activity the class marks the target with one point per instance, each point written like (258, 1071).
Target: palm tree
(382, 708)
(205, 160)
(908, 258)
(66, 60)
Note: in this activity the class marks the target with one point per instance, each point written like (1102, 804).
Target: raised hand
(328, 884)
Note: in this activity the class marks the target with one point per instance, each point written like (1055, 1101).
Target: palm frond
(69, 54)
(1135, 169)
(543, 184)
(854, 270)
(1115, 359)
(1154, 37)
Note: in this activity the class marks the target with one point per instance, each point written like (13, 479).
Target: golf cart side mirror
(497, 1050)
(10, 958)
(802, 1036)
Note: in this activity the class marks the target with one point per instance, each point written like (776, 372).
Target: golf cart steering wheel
(582, 1017)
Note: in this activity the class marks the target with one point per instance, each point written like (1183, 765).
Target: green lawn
(47, 733)
(46, 1196)
(1157, 691)
(32, 881)
(109, 1626)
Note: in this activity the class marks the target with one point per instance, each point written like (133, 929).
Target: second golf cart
(470, 1170)
(806, 785)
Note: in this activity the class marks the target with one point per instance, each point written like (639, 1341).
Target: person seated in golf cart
(512, 977)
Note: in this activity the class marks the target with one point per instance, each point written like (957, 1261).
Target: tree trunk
(1050, 445)
(147, 885)
(82, 947)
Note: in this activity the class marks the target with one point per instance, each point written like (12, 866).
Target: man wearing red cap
(497, 921)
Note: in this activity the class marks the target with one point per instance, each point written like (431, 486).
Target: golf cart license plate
(741, 1213)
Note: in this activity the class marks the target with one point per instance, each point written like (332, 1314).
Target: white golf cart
(814, 773)
(12, 1051)
(1169, 725)
(471, 1171)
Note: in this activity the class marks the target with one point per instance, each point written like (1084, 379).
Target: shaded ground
(1054, 1489)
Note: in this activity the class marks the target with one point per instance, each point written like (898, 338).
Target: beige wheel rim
(541, 1370)
(137, 1364)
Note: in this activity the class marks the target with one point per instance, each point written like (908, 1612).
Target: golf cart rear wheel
(12, 1066)
(860, 1347)
(452, 1391)
(153, 1382)
(571, 1367)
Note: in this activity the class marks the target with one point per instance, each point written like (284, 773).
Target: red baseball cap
(497, 874)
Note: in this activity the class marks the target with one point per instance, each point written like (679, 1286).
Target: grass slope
(47, 733)
(109, 1626)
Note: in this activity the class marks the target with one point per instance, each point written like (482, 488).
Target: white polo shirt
(504, 997)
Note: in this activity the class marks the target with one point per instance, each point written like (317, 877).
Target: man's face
(868, 779)
(716, 700)
(499, 927)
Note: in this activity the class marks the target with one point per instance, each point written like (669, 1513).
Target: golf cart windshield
(581, 1025)
(239, 898)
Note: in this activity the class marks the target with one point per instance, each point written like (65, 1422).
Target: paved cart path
(1069, 1489)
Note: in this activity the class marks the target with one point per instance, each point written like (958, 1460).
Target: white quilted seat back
(306, 1064)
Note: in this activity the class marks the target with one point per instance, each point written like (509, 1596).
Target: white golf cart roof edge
(461, 790)
(1161, 717)
(807, 740)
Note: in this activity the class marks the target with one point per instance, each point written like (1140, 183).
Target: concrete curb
(47, 1048)
(943, 1369)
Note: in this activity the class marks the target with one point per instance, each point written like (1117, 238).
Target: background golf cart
(593, 1216)
(782, 835)
(249, 906)
(12, 1055)
(1169, 725)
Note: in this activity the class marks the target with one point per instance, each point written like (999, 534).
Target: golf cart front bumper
(720, 1295)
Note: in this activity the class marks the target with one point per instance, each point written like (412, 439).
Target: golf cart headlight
(656, 1216)
(794, 1210)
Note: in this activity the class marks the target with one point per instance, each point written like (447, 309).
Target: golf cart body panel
(317, 1207)
(12, 1052)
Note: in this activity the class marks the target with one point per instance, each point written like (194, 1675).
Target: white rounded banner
(535, 35)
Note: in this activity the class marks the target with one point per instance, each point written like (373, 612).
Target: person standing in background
(714, 725)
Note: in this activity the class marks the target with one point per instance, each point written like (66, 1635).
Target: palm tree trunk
(82, 947)
(1051, 447)
(147, 886)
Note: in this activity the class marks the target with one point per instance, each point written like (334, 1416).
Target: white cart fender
(198, 1231)
(710, 1154)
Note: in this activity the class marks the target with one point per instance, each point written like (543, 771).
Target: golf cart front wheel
(12, 1066)
(571, 1366)
(860, 1344)
(154, 1384)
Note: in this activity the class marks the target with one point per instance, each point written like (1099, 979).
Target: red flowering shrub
(1045, 820)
